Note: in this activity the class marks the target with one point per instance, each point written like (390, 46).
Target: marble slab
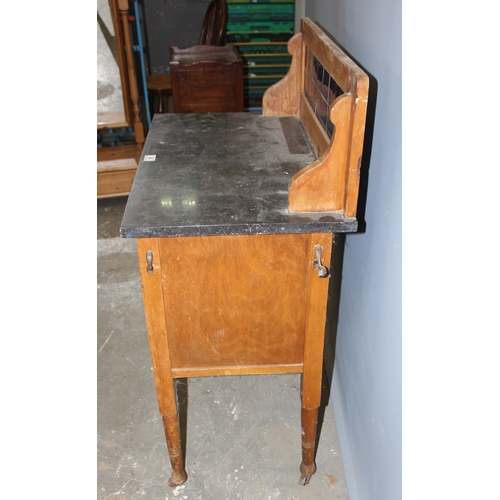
(222, 173)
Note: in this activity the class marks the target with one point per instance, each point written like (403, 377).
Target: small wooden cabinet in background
(206, 79)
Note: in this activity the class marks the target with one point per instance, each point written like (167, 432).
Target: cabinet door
(235, 300)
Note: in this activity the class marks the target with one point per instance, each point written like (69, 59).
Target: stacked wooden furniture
(116, 166)
(235, 216)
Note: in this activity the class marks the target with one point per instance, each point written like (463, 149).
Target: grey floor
(242, 434)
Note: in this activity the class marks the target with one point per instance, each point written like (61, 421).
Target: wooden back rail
(329, 92)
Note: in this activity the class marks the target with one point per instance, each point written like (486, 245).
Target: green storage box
(260, 27)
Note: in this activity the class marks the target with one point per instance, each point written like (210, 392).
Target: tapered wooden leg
(309, 422)
(162, 370)
(313, 354)
(173, 435)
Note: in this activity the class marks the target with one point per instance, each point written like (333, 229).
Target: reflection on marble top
(221, 173)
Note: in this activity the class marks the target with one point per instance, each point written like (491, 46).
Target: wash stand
(235, 216)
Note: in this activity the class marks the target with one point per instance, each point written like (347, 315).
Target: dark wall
(170, 22)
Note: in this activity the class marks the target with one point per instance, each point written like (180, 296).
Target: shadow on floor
(109, 216)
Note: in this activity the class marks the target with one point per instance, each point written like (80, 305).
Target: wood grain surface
(235, 300)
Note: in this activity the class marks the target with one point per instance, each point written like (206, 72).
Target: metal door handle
(149, 260)
(322, 270)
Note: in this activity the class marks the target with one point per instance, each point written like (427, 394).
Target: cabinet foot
(308, 467)
(172, 431)
(177, 479)
(306, 472)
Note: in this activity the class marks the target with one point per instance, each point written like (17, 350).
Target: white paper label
(149, 157)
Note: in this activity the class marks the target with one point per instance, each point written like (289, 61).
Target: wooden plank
(111, 119)
(120, 152)
(343, 69)
(113, 195)
(155, 321)
(317, 296)
(116, 182)
(114, 165)
(159, 82)
(237, 370)
(356, 141)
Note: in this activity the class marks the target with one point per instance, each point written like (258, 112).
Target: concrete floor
(109, 216)
(242, 434)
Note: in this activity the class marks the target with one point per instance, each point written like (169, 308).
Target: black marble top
(221, 173)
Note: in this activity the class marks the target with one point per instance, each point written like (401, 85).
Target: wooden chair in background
(213, 31)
